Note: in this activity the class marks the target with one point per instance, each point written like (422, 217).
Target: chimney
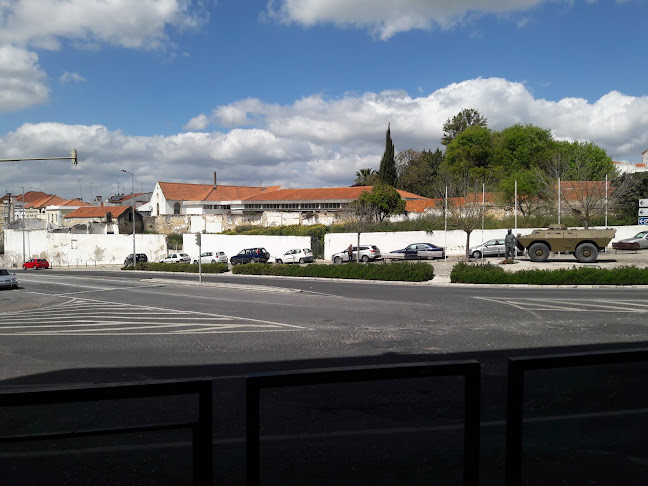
(215, 184)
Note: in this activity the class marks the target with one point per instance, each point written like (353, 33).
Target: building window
(176, 208)
(157, 209)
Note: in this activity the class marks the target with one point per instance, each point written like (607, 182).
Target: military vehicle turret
(583, 243)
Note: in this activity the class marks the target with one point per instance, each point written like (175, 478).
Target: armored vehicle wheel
(539, 252)
(586, 253)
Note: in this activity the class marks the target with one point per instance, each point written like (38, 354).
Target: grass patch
(492, 274)
(404, 272)
(181, 267)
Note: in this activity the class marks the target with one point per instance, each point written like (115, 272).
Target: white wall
(67, 249)
(232, 244)
(454, 241)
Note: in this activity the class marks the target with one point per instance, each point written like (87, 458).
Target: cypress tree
(387, 172)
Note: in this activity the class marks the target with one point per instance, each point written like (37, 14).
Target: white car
(8, 279)
(177, 258)
(296, 255)
(212, 257)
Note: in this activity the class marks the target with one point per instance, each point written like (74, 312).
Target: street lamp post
(23, 222)
(133, 209)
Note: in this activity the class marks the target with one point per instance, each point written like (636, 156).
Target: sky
(299, 93)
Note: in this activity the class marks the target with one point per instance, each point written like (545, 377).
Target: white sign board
(643, 203)
(643, 220)
(643, 211)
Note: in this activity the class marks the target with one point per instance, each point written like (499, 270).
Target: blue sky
(299, 92)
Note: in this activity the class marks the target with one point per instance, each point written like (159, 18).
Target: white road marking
(90, 317)
(571, 305)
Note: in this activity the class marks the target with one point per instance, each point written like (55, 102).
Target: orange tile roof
(31, 196)
(45, 201)
(177, 191)
(323, 194)
(97, 211)
(74, 202)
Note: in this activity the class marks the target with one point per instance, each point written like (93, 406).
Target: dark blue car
(420, 251)
(251, 255)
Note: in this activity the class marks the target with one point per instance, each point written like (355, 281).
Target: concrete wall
(232, 244)
(454, 241)
(65, 249)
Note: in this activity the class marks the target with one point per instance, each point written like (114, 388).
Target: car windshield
(4, 272)
(642, 234)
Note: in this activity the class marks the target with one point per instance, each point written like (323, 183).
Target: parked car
(177, 258)
(491, 248)
(251, 255)
(637, 242)
(35, 263)
(296, 255)
(212, 257)
(420, 251)
(139, 258)
(367, 253)
(8, 279)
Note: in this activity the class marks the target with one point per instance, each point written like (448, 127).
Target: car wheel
(337, 260)
(586, 253)
(301, 260)
(278, 261)
(476, 255)
(539, 252)
(364, 259)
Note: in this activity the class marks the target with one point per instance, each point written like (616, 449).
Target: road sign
(643, 203)
(643, 220)
(643, 211)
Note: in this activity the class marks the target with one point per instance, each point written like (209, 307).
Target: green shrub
(491, 274)
(408, 272)
(181, 267)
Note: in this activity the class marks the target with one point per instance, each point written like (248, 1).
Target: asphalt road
(65, 327)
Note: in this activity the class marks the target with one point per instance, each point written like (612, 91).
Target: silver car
(177, 258)
(7, 279)
(490, 248)
(212, 257)
(296, 255)
(368, 253)
(637, 242)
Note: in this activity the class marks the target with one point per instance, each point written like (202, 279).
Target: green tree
(522, 147)
(382, 201)
(420, 173)
(628, 189)
(468, 117)
(364, 177)
(387, 172)
(470, 153)
(533, 191)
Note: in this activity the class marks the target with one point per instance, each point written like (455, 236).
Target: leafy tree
(382, 201)
(420, 173)
(364, 177)
(583, 166)
(468, 117)
(470, 153)
(522, 147)
(628, 189)
(533, 191)
(387, 172)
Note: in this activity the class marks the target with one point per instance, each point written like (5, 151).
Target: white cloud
(313, 142)
(385, 18)
(69, 77)
(199, 122)
(22, 82)
(142, 24)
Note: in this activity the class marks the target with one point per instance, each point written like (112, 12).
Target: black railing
(470, 370)
(517, 367)
(201, 427)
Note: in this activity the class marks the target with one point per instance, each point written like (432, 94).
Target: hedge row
(181, 267)
(491, 274)
(407, 272)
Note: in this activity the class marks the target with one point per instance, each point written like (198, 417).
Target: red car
(36, 263)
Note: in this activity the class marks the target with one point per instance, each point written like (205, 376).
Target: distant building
(105, 219)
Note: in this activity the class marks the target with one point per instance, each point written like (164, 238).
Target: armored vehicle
(583, 243)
